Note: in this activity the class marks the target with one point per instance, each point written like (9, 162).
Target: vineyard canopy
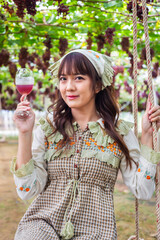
(34, 34)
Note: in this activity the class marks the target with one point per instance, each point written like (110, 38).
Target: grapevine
(131, 58)
(31, 58)
(140, 64)
(63, 45)
(46, 55)
(4, 57)
(109, 33)
(39, 84)
(125, 44)
(130, 70)
(89, 41)
(8, 9)
(20, 7)
(39, 63)
(101, 42)
(47, 42)
(143, 53)
(12, 69)
(29, 5)
(63, 9)
(10, 91)
(156, 66)
(154, 74)
(23, 57)
(139, 9)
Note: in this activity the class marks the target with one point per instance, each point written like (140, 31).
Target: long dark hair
(105, 101)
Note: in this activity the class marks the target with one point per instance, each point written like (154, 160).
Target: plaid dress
(79, 189)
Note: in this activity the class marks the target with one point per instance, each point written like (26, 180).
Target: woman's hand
(151, 115)
(24, 125)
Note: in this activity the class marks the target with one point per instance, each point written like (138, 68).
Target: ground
(12, 207)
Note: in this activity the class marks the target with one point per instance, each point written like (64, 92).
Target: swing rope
(135, 106)
(135, 100)
(135, 103)
(155, 145)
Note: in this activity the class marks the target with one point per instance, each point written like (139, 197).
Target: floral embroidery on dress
(58, 145)
(59, 149)
(148, 175)
(24, 188)
(91, 144)
(140, 167)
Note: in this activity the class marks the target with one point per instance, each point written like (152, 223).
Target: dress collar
(100, 122)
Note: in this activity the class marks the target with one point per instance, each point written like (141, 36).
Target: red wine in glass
(24, 89)
(24, 84)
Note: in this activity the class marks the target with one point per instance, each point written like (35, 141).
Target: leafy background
(35, 34)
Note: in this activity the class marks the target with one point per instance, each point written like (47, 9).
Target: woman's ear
(98, 88)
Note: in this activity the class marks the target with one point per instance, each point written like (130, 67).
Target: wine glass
(24, 83)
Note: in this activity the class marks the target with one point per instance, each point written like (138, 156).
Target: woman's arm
(141, 177)
(25, 127)
(31, 178)
(29, 167)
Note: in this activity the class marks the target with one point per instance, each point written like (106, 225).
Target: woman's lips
(71, 97)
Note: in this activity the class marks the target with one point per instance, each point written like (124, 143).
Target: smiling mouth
(71, 96)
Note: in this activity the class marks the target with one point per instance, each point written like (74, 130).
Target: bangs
(76, 63)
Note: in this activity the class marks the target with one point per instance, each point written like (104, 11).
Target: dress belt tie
(68, 230)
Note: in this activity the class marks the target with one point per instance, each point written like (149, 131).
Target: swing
(135, 106)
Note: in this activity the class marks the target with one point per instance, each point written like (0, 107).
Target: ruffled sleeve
(141, 178)
(31, 178)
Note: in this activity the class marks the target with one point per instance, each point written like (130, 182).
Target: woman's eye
(62, 79)
(79, 78)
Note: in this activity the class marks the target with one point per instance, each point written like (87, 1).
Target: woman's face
(77, 90)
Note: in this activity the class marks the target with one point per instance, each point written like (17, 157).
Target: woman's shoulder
(101, 136)
(123, 126)
(47, 124)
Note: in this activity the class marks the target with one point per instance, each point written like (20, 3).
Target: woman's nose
(70, 85)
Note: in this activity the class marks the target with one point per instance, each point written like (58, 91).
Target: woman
(77, 152)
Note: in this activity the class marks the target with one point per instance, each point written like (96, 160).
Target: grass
(125, 216)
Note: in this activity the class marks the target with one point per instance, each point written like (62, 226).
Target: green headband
(101, 62)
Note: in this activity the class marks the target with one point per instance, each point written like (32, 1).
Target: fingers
(23, 106)
(154, 110)
(23, 97)
(24, 103)
(148, 105)
(154, 114)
